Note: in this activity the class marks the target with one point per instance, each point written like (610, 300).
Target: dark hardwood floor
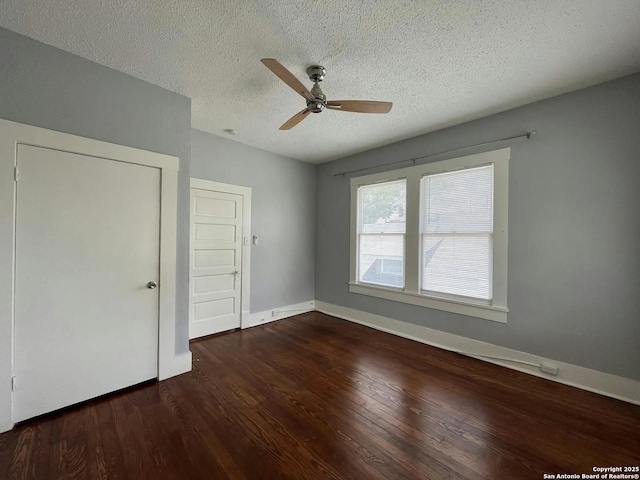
(314, 397)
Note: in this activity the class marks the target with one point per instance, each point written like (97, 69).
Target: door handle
(152, 285)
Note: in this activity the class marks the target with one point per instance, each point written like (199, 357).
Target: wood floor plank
(355, 430)
(387, 393)
(222, 428)
(315, 397)
(24, 451)
(258, 433)
(202, 453)
(108, 441)
(311, 431)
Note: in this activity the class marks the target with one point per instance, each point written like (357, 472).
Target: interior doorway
(219, 259)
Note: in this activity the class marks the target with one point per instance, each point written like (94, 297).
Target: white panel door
(87, 244)
(216, 249)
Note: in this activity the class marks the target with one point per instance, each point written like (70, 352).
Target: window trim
(411, 293)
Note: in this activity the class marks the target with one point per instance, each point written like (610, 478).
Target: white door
(87, 244)
(216, 249)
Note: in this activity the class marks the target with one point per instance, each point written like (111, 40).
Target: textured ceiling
(440, 62)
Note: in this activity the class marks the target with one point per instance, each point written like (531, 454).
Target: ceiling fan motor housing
(320, 102)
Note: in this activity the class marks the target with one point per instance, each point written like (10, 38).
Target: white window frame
(495, 310)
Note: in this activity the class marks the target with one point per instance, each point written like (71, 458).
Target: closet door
(87, 264)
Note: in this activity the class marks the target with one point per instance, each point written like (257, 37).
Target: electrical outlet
(275, 313)
(549, 368)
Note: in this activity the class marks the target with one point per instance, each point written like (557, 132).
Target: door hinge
(13, 384)
(16, 174)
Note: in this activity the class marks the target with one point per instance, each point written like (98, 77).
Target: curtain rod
(528, 135)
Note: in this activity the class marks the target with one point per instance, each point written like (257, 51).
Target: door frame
(245, 260)
(13, 134)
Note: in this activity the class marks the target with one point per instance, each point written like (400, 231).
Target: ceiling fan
(316, 100)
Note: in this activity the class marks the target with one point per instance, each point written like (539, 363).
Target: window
(381, 232)
(457, 226)
(434, 235)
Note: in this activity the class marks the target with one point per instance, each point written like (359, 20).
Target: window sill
(486, 312)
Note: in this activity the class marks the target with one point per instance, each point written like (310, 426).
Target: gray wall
(283, 215)
(46, 87)
(574, 229)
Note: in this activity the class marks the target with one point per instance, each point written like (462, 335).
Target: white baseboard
(260, 318)
(595, 381)
(181, 364)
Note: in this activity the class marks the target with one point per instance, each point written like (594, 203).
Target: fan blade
(362, 106)
(296, 119)
(287, 77)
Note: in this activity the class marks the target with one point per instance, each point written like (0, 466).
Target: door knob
(152, 285)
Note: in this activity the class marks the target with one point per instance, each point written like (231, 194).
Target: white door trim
(246, 234)
(11, 135)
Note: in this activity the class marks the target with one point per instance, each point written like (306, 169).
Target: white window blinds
(457, 232)
(381, 233)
